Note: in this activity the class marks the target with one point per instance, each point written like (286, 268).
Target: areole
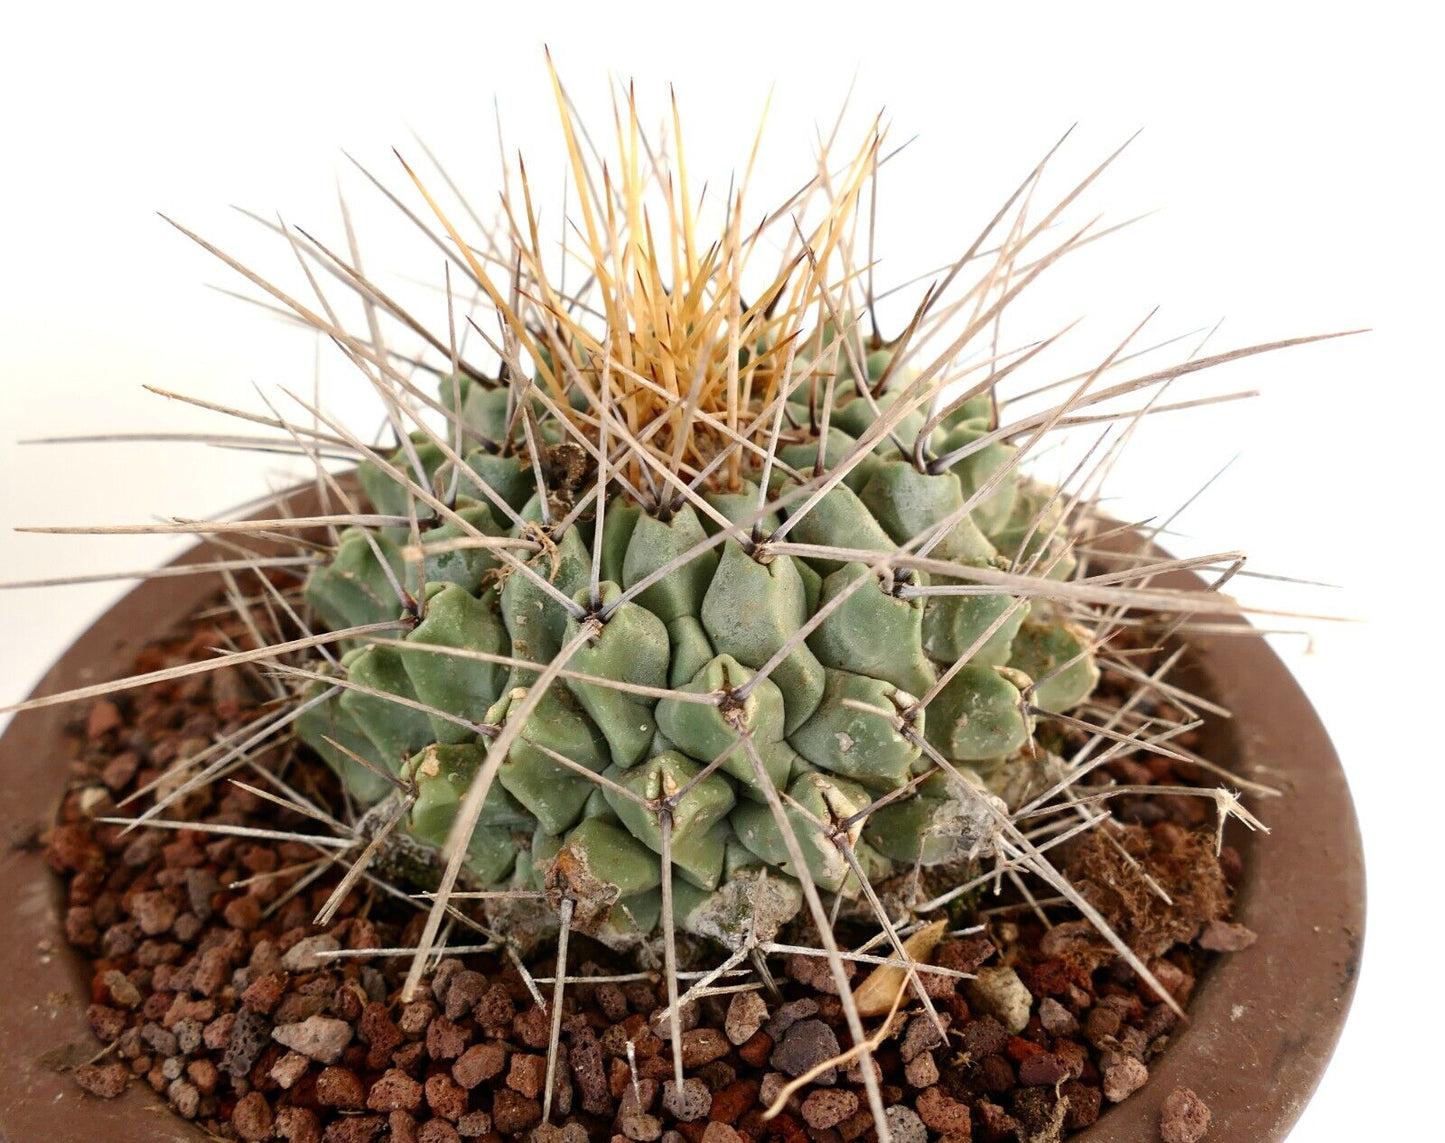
(1262, 1023)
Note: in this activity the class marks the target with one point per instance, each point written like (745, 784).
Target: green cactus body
(834, 727)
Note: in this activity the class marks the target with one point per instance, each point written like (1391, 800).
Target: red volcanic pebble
(340, 1088)
(527, 1074)
(445, 1096)
(263, 994)
(512, 1112)
(251, 1117)
(104, 1080)
(828, 1107)
(437, 1131)
(1184, 1118)
(243, 913)
(298, 1125)
(479, 1063)
(104, 717)
(394, 1091)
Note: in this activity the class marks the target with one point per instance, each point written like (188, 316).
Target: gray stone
(998, 991)
(688, 1103)
(301, 957)
(905, 1126)
(746, 1013)
(320, 1038)
(1124, 1078)
(804, 1046)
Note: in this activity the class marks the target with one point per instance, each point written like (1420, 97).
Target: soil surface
(211, 984)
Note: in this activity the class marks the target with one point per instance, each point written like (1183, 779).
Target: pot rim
(1262, 1023)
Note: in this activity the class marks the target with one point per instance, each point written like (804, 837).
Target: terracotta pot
(1262, 1024)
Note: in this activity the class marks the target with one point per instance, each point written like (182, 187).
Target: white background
(1292, 148)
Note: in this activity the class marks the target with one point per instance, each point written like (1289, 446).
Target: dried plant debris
(1122, 873)
(688, 619)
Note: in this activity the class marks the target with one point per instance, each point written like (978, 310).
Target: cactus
(701, 602)
(847, 676)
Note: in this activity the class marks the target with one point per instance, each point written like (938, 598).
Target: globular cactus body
(662, 681)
